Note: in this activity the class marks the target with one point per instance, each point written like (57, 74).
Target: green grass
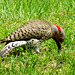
(14, 13)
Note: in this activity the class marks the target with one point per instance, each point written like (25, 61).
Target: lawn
(14, 13)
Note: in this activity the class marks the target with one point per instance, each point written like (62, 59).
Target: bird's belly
(32, 43)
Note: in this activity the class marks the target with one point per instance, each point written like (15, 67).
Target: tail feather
(2, 41)
(8, 47)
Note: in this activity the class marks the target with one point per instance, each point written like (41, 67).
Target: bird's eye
(61, 34)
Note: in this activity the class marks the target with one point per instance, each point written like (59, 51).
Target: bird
(32, 34)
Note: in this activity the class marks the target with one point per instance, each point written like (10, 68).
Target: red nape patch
(58, 27)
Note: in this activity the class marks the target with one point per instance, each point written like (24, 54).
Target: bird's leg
(10, 46)
(37, 49)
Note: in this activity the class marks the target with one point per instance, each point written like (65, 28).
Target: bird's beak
(58, 44)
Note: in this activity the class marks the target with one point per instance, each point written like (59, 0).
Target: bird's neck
(55, 30)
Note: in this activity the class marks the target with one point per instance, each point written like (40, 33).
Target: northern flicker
(32, 34)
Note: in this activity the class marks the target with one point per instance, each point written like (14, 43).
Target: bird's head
(58, 35)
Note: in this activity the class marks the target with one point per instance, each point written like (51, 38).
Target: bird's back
(36, 29)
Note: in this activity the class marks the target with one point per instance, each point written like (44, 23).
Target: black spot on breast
(13, 45)
(9, 47)
(41, 34)
(32, 41)
(27, 43)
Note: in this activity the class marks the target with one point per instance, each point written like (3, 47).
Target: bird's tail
(3, 41)
(8, 47)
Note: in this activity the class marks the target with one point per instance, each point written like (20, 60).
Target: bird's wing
(36, 29)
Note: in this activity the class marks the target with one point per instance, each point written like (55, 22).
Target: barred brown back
(34, 29)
